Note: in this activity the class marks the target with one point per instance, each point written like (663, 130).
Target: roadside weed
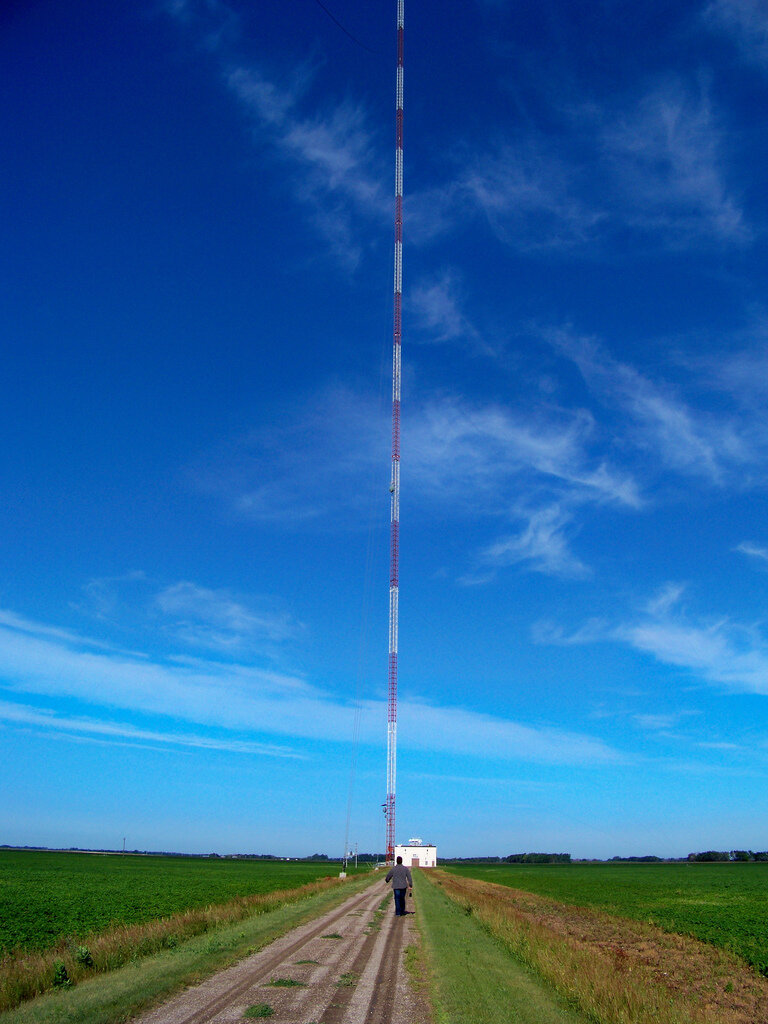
(259, 1010)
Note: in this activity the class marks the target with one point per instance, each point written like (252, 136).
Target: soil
(346, 967)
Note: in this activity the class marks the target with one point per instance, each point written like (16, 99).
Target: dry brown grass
(617, 970)
(25, 975)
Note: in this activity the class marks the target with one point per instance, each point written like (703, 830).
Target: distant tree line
(729, 855)
(649, 859)
(513, 858)
(472, 860)
(538, 858)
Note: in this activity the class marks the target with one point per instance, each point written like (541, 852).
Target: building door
(414, 862)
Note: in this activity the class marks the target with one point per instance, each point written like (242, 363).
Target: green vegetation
(473, 977)
(513, 858)
(286, 983)
(723, 904)
(374, 924)
(347, 980)
(45, 896)
(726, 855)
(259, 1010)
(118, 995)
(616, 971)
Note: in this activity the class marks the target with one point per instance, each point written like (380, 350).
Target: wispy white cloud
(307, 465)
(542, 545)
(656, 722)
(49, 720)
(437, 305)
(657, 165)
(593, 631)
(687, 439)
(329, 150)
(471, 458)
(433, 211)
(215, 619)
(103, 594)
(24, 626)
(214, 22)
(241, 699)
(472, 461)
(470, 732)
(437, 310)
(746, 21)
(530, 196)
(723, 745)
(719, 651)
(665, 172)
(752, 551)
(459, 448)
(667, 154)
(201, 617)
(739, 369)
(666, 598)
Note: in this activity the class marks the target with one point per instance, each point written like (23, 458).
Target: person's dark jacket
(401, 876)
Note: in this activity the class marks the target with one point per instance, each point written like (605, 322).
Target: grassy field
(45, 896)
(614, 969)
(474, 979)
(723, 904)
(117, 995)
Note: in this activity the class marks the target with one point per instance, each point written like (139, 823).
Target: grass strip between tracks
(120, 994)
(617, 971)
(472, 976)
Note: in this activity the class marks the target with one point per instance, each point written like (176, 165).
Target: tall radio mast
(394, 485)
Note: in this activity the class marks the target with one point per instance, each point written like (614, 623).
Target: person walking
(401, 879)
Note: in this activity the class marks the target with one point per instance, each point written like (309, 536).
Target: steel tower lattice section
(394, 486)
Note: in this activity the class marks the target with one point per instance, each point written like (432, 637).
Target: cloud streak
(49, 720)
(542, 545)
(439, 316)
(753, 551)
(242, 700)
(217, 620)
(659, 161)
(688, 440)
(471, 458)
(530, 197)
(722, 652)
(330, 153)
(746, 21)
(666, 154)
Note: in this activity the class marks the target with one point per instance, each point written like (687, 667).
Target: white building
(416, 854)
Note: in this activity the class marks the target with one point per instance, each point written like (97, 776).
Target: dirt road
(343, 968)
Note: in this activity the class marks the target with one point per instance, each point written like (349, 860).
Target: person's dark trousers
(399, 902)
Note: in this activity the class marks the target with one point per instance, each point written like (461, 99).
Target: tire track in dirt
(345, 967)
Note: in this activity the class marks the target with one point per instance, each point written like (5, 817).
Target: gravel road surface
(345, 967)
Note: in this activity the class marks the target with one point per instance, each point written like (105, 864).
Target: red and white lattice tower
(394, 485)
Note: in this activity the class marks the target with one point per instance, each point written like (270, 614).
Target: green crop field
(44, 896)
(723, 904)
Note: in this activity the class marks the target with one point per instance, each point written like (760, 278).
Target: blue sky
(197, 204)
